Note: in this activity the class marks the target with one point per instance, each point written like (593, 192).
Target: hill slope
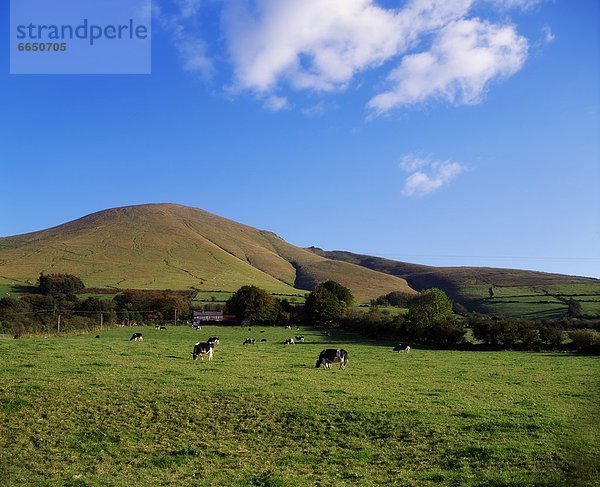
(517, 292)
(161, 246)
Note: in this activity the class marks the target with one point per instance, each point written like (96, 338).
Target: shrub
(59, 284)
(586, 339)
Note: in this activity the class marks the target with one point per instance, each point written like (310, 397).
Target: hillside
(161, 246)
(516, 292)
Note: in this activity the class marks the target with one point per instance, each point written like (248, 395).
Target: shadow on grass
(23, 289)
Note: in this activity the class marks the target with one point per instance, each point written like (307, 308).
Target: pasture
(83, 411)
(533, 302)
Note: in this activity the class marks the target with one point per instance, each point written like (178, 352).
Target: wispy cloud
(427, 175)
(316, 110)
(276, 103)
(520, 4)
(547, 34)
(179, 22)
(464, 58)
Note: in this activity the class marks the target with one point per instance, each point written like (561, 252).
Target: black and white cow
(196, 327)
(137, 337)
(201, 349)
(249, 341)
(300, 338)
(330, 355)
(160, 327)
(289, 341)
(401, 348)
(213, 340)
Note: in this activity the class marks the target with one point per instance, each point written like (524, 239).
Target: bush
(18, 329)
(446, 333)
(395, 298)
(552, 334)
(586, 339)
(59, 284)
(140, 306)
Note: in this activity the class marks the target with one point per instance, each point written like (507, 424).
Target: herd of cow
(327, 357)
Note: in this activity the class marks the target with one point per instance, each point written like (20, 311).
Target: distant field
(392, 310)
(536, 302)
(14, 290)
(524, 309)
(85, 411)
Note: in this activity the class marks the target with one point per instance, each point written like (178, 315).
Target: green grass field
(84, 411)
(536, 302)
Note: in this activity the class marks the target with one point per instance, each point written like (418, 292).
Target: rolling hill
(169, 246)
(516, 292)
(160, 246)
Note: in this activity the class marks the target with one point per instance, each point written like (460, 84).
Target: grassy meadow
(533, 302)
(77, 410)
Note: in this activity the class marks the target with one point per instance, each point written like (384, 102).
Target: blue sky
(446, 133)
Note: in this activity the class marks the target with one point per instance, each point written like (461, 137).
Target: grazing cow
(401, 348)
(330, 355)
(288, 327)
(249, 341)
(289, 341)
(263, 340)
(137, 337)
(213, 340)
(196, 327)
(160, 327)
(299, 338)
(201, 349)
(97, 336)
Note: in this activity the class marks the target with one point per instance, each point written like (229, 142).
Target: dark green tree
(429, 308)
(323, 307)
(254, 305)
(573, 308)
(552, 334)
(343, 294)
(56, 284)
(395, 298)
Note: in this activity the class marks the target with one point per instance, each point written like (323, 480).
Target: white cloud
(427, 175)
(430, 49)
(548, 35)
(463, 59)
(276, 103)
(321, 46)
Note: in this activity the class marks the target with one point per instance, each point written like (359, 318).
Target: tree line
(431, 317)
